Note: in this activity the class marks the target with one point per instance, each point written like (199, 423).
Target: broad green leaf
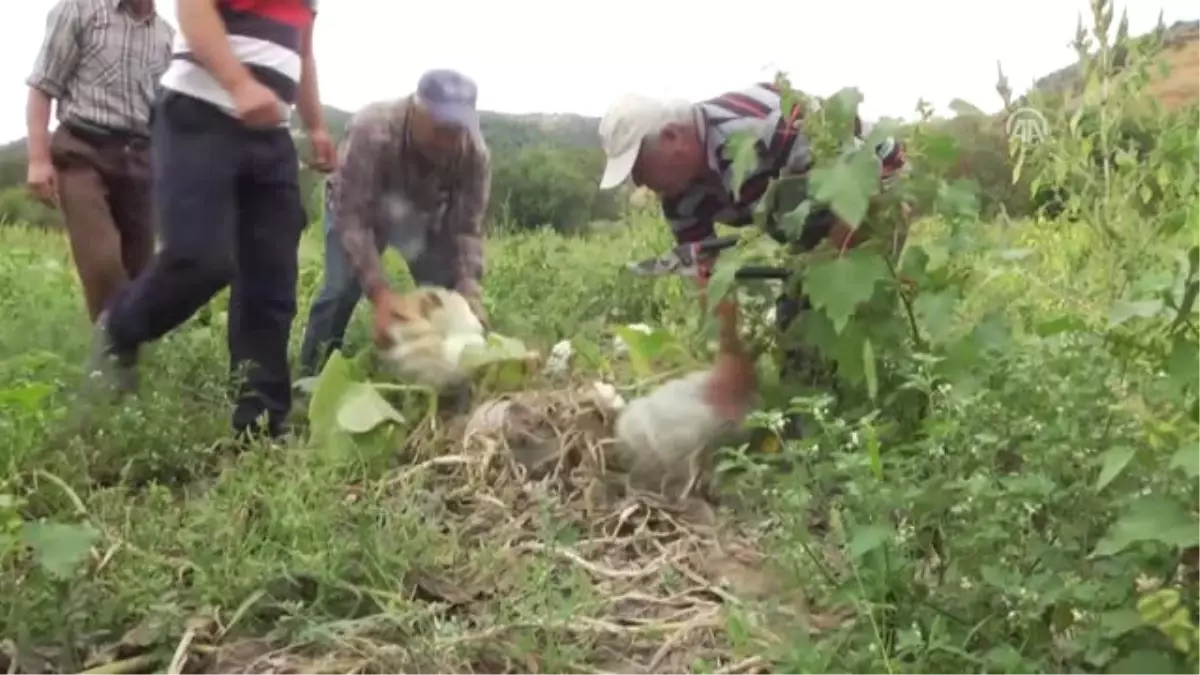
(59, 547)
(868, 538)
(935, 313)
(873, 453)
(1125, 310)
(959, 199)
(1183, 364)
(331, 385)
(847, 186)
(28, 396)
(500, 364)
(739, 149)
(840, 285)
(1188, 460)
(868, 356)
(496, 349)
(1063, 323)
(644, 348)
(1151, 518)
(362, 408)
(1113, 462)
(722, 278)
(1142, 661)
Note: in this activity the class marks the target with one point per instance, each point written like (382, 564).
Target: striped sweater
(781, 149)
(265, 36)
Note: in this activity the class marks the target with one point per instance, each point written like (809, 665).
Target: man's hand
(476, 305)
(42, 182)
(384, 304)
(256, 105)
(324, 153)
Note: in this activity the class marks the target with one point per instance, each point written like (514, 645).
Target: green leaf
(873, 454)
(840, 285)
(59, 547)
(500, 364)
(1125, 310)
(1113, 462)
(362, 409)
(740, 150)
(1151, 518)
(1142, 661)
(848, 185)
(1183, 363)
(644, 348)
(1063, 323)
(869, 374)
(935, 313)
(1188, 460)
(867, 539)
(496, 349)
(333, 382)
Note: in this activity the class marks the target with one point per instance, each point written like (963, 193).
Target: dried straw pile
(665, 571)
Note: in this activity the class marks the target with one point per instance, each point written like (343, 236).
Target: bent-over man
(677, 150)
(414, 174)
(226, 184)
(101, 61)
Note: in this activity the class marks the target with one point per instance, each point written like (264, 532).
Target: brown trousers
(104, 194)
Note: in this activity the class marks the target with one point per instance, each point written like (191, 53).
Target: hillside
(1180, 87)
(505, 134)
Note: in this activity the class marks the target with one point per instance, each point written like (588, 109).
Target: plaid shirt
(781, 149)
(378, 167)
(102, 64)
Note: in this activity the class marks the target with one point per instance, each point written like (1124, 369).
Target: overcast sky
(550, 56)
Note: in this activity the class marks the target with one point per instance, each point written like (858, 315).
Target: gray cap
(449, 96)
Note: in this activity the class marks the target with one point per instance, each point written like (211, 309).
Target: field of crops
(1005, 481)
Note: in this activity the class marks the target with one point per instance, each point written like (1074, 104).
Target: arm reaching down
(354, 189)
(465, 220)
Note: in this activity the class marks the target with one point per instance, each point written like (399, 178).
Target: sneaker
(105, 366)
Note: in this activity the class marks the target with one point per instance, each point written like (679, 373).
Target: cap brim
(617, 169)
(461, 116)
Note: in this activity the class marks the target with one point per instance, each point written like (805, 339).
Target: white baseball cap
(627, 122)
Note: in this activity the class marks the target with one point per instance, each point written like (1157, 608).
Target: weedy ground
(434, 557)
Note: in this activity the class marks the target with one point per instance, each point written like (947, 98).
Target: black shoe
(108, 367)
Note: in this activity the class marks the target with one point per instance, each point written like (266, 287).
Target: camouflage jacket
(382, 180)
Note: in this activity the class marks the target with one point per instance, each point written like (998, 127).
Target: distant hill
(504, 133)
(1180, 50)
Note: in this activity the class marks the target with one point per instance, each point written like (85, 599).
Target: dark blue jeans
(340, 290)
(228, 201)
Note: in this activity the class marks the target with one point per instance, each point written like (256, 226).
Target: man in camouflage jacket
(415, 174)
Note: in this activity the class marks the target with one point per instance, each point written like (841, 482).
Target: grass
(297, 540)
(1036, 510)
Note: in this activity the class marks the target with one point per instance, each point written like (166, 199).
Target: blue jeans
(340, 290)
(229, 205)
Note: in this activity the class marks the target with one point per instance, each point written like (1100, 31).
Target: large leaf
(840, 285)
(868, 538)
(1151, 518)
(645, 346)
(740, 151)
(362, 409)
(500, 364)
(59, 547)
(1113, 462)
(847, 186)
(331, 385)
(1125, 310)
(1187, 459)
